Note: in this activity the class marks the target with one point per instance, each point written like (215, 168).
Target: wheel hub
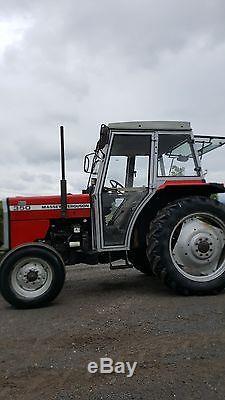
(203, 246)
(32, 276)
(198, 247)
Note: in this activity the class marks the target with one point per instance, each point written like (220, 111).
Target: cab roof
(151, 125)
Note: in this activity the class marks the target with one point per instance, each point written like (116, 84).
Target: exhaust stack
(63, 183)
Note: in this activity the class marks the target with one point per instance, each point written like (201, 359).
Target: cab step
(122, 263)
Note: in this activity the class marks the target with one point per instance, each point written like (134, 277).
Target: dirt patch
(178, 342)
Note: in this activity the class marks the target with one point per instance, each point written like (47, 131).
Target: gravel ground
(178, 342)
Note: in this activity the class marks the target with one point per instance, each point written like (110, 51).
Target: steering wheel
(115, 184)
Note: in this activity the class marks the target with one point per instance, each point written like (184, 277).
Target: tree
(177, 171)
(214, 196)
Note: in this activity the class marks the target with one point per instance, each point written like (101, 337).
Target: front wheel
(186, 245)
(31, 275)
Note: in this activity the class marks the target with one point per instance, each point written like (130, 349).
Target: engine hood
(45, 207)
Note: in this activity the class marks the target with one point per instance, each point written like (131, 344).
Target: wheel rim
(197, 247)
(31, 277)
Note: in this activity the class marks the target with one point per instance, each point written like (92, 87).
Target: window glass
(116, 170)
(141, 171)
(175, 156)
(128, 163)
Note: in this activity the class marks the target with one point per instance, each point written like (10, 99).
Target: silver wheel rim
(197, 247)
(31, 277)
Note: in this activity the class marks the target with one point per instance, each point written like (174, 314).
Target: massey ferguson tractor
(147, 205)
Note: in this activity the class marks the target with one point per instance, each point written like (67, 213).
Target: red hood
(42, 207)
(55, 199)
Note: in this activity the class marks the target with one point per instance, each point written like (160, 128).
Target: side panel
(28, 231)
(30, 217)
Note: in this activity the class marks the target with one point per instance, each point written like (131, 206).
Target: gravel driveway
(178, 342)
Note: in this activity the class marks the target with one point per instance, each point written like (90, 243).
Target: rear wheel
(31, 276)
(186, 245)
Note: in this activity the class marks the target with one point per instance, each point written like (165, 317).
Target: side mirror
(104, 137)
(87, 162)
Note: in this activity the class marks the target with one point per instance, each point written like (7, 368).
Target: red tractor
(146, 205)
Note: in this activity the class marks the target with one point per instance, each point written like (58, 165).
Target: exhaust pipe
(63, 183)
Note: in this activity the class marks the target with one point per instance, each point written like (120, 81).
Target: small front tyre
(31, 275)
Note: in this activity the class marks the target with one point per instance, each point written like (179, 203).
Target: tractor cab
(130, 163)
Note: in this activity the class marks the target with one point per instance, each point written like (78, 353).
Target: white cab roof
(152, 125)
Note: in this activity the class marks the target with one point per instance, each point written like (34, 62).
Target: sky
(83, 63)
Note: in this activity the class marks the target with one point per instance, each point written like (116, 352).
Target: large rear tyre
(186, 245)
(31, 275)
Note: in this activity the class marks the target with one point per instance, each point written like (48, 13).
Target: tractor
(147, 205)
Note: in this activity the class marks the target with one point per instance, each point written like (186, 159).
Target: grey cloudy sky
(81, 63)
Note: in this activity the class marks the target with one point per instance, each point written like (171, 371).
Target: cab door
(124, 186)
